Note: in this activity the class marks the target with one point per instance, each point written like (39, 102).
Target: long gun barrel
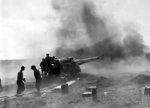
(82, 61)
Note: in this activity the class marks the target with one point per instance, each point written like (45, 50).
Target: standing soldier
(56, 67)
(38, 78)
(20, 80)
(48, 66)
(43, 65)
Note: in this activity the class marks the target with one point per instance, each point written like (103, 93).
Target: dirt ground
(111, 93)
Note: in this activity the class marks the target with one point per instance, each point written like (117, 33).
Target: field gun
(82, 61)
(71, 66)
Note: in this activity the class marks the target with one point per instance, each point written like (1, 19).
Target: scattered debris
(92, 89)
(86, 94)
(147, 90)
(69, 83)
(64, 88)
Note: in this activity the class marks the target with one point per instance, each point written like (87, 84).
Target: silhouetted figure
(20, 80)
(43, 67)
(1, 86)
(56, 67)
(48, 58)
(38, 78)
(48, 66)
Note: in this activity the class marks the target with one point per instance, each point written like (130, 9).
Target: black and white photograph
(74, 53)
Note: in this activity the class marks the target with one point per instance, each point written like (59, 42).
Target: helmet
(33, 67)
(22, 67)
(47, 54)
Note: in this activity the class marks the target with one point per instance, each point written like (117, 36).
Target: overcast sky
(28, 27)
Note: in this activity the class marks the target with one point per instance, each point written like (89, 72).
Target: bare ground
(112, 93)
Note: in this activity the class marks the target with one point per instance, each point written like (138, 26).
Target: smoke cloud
(101, 37)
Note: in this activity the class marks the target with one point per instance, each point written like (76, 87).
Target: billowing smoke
(133, 42)
(94, 33)
(94, 24)
(101, 37)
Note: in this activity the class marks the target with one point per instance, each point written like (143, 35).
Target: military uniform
(43, 67)
(48, 65)
(20, 82)
(38, 78)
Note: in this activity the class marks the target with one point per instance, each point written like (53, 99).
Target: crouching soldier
(38, 78)
(20, 81)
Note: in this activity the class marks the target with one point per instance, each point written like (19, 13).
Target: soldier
(38, 78)
(20, 80)
(43, 67)
(49, 64)
(48, 58)
(56, 67)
